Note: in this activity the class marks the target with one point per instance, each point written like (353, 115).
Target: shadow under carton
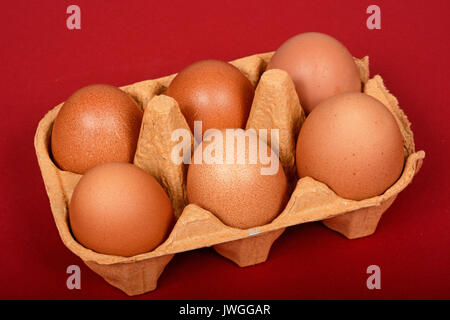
(275, 106)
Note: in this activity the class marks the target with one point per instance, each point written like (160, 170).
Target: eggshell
(214, 92)
(119, 209)
(352, 143)
(238, 194)
(319, 65)
(97, 124)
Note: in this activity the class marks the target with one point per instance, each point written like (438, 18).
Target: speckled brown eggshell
(352, 143)
(319, 65)
(238, 194)
(214, 92)
(97, 124)
(119, 209)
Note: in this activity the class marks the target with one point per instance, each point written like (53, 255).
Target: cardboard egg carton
(276, 105)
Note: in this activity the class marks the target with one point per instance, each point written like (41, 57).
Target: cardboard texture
(275, 105)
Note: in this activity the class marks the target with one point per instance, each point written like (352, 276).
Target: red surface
(42, 63)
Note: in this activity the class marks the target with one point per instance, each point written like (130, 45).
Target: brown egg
(119, 209)
(238, 193)
(319, 65)
(352, 143)
(214, 92)
(97, 124)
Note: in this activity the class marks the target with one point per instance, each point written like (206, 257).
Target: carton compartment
(275, 106)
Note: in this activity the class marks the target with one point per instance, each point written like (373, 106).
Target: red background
(42, 63)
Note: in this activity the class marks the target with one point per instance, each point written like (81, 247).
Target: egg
(119, 209)
(352, 143)
(97, 124)
(214, 92)
(319, 65)
(238, 192)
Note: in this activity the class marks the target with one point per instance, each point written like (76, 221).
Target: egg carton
(275, 105)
